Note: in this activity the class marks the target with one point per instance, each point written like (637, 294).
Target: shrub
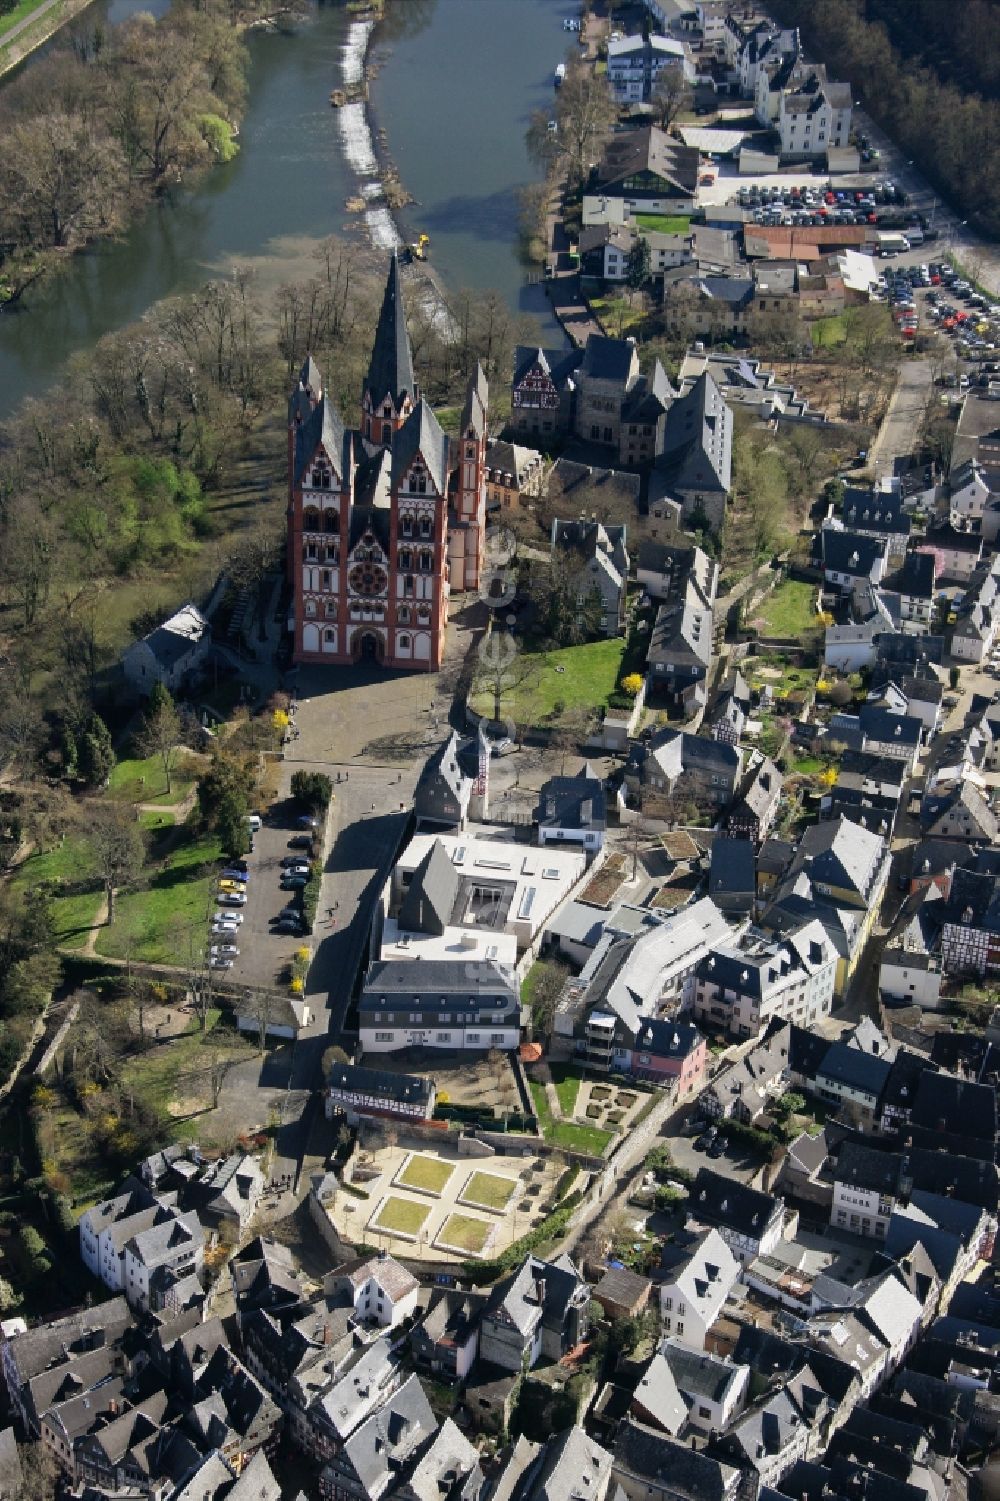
(615, 1117)
(593, 1112)
(566, 1181)
(313, 789)
(632, 684)
(354, 1191)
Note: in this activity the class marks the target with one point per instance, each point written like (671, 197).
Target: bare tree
(585, 114)
(671, 96)
(503, 670)
(117, 847)
(160, 736)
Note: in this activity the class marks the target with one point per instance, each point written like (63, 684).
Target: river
(457, 80)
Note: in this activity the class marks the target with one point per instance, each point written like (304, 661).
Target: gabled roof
(390, 370)
(572, 803)
(608, 359)
(853, 1069)
(558, 364)
(667, 1039)
(430, 897)
(725, 1201)
(324, 427)
(380, 1084)
(173, 639)
(693, 1474)
(697, 440)
(649, 150)
(850, 552)
(422, 434)
(733, 867)
(943, 1102)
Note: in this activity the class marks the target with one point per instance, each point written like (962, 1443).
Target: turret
(390, 391)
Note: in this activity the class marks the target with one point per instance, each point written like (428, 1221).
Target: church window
(426, 562)
(329, 636)
(407, 526)
(311, 552)
(426, 526)
(331, 521)
(333, 553)
(408, 586)
(331, 609)
(310, 607)
(387, 409)
(418, 482)
(386, 432)
(310, 520)
(405, 558)
(404, 643)
(326, 578)
(404, 614)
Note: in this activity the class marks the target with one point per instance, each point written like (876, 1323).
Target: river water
(456, 83)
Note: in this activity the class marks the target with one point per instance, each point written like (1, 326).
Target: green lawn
(808, 766)
(664, 224)
(567, 1087)
(426, 1172)
(789, 610)
(618, 316)
(466, 1233)
(11, 19)
(143, 781)
(575, 677)
(829, 331)
(489, 1189)
(402, 1215)
(167, 922)
(72, 915)
(167, 1071)
(156, 822)
(567, 1134)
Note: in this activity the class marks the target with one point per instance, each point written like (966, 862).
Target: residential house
(970, 924)
(176, 1244)
(100, 1231)
(910, 967)
(970, 497)
(598, 563)
(708, 306)
(865, 1187)
(449, 1467)
(745, 986)
(901, 693)
(679, 654)
(694, 1283)
(852, 1081)
(885, 733)
(171, 655)
(650, 171)
(879, 514)
(573, 810)
(814, 114)
(732, 876)
(355, 1091)
(696, 464)
(648, 400)
(914, 585)
(651, 1466)
(446, 1339)
(622, 1294)
(712, 1390)
(60, 1347)
(226, 1194)
(444, 789)
(744, 1089)
(668, 1052)
(606, 250)
(608, 371)
(438, 1003)
(770, 1436)
(665, 571)
(635, 64)
(685, 769)
(957, 554)
(513, 476)
(749, 1221)
(756, 801)
(959, 811)
(543, 390)
(380, 1448)
(539, 1309)
(848, 557)
(728, 714)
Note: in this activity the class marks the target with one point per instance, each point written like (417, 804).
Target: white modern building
(636, 63)
(694, 1291)
(450, 1004)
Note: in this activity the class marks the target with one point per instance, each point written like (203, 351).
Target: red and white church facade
(383, 521)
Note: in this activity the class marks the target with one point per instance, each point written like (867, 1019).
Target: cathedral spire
(390, 371)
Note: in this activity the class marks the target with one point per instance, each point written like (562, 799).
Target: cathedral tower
(390, 392)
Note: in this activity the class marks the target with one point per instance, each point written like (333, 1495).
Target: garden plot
(610, 1106)
(488, 1191)
(467, 1234)
(424, 1174)
(403, 1218)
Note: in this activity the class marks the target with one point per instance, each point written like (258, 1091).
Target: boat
(560, 75)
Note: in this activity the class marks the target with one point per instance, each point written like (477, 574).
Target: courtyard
(410, 1198)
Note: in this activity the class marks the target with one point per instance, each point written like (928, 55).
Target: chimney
(540, 1291)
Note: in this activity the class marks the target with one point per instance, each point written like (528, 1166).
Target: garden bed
(425, 1174)
(602, 887)
(402, 1217)
(488, 1191)
(465, 1233)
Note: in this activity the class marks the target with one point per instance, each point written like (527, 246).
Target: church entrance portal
(368, 647)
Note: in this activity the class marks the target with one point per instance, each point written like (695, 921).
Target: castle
(383, 521)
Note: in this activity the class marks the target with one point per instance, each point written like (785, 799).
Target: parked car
(293, 859)
(306, 821)
(717, 1147)
(231, 888)
(300, 868)
(228, 898)
(294, 883)
(233, 917)
(219, 961)
(291, 925)
(300, 842)
(229, 950)
(232, 874)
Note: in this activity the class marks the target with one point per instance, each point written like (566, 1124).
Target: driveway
(904, 415)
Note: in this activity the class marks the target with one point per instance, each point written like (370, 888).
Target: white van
(253, 822)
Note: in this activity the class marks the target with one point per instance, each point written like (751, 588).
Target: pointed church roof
(421, 433)
(310, 378)
(430, 896)
(390, 371)
(325, 425)
(476, 402)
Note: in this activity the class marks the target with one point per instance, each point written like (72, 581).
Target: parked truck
(891, 243)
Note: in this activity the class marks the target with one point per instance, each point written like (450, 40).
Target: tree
(638, 264)
(313, 789)
(585, 114)
(790, 1103)
(65, 175)
(40, 1478)
(671, 96)
(548, 980)
(95, 753)
(117, 848)
(954, 677)
(502, 670)
(224, 790)
(160, 735)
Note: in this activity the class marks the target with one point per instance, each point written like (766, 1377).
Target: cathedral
(384, 520)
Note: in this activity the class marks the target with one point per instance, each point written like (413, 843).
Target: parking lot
(264, 956)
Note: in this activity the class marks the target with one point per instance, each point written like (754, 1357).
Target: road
(28, 20)
(904, 416)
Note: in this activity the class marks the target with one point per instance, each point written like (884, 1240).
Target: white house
(695, 1289)
(176, 1244)
(635, 64)
(273, 1015)
(744, 985)
(450, 1004)
(381, 1290)
(814, 115)
(101, 1241)
(749, 1221)
(169, 654)
(573, 810)
(865, 1184)
(970, 496)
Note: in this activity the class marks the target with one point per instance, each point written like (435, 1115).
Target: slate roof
(649, 150)
(733, 868)
(664, 1038)
(391, 1088)
(944, 1102)
(883, 725)
(390, 370)
(607, 359)
(11, 1477)
(513, 1298)
(90, 1328)
(853, 1069)
(685, 1473)
(173, 639)
(838, 853)
(619, 1285)
(422, 434)
(724, 1201)
(698, 1373)
(386, 1439)
(324, 425)
(850, 552)
(430, 897)
(558, 364)
(974, 901)
(861, 1166)
(658, 1395)
(915, 577)
(697, 440)
(578, 802)
(441, 792)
